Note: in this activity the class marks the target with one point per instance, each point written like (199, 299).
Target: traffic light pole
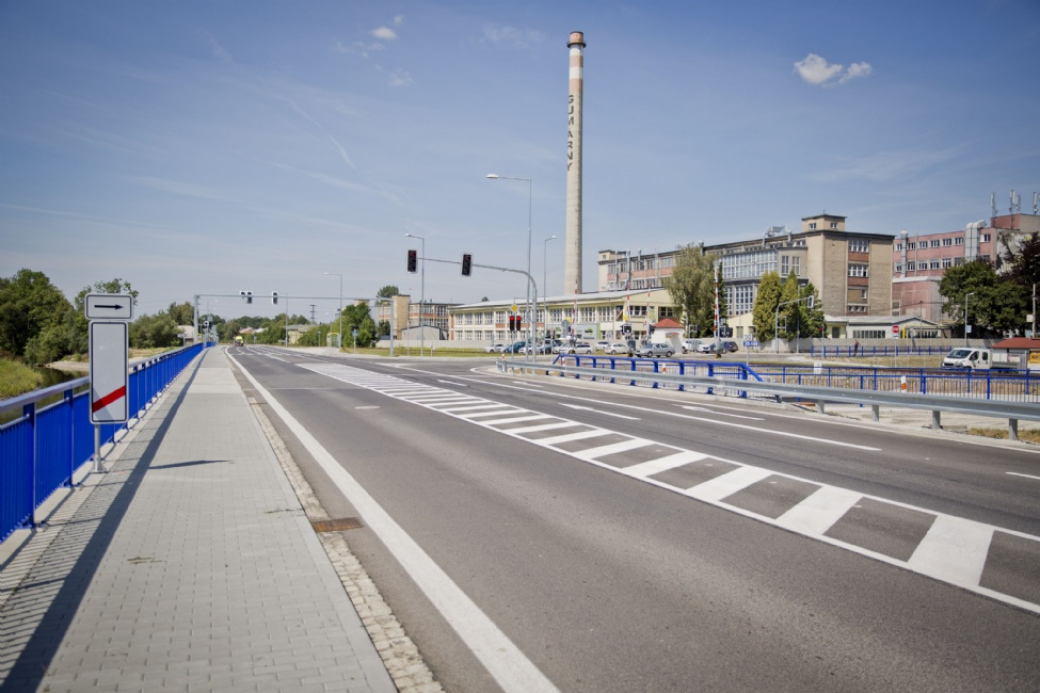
(776, 320)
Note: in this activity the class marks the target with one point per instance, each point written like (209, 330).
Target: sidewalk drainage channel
(340, 525)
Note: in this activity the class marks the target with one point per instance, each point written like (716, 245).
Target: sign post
(109, 362)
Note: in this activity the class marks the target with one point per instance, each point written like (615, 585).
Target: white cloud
(400, 78)
(511, 36)
(817, 71)
(384, 33)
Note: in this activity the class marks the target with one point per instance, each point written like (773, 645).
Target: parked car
(627, 347)
(706, 348)
(730, 346)
(494, 348)
(515, 348)
(690, 345)
(573, 348)
(602, 345)
(544, 347)
(654, 349)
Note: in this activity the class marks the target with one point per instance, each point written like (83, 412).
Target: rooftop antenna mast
(1036, 203)
(1016, 203)
(993, 203)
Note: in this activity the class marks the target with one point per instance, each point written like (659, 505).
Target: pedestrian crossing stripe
(950, 549)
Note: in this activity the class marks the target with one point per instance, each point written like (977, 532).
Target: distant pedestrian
(855, 348)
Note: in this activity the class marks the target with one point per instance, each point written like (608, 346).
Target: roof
(1018, 343)
(667, 324)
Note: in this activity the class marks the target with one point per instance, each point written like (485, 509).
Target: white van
(969, 358)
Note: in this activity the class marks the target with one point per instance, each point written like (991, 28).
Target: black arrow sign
(115, 307)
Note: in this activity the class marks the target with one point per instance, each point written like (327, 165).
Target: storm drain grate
(339, 525)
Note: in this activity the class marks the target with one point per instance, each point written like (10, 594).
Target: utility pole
(1034, 310)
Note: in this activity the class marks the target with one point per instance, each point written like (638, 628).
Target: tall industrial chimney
(572, 258)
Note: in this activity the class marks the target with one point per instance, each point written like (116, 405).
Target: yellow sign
(1034, 358)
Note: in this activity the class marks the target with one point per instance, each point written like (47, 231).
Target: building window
(934, 264)
(947, 262)
(985, 238)
(834, 224)
(899, 246)
(812, 225)
(785, 265)
(796, 265)
(859, 246)
(911, 245)
(958, 261)
(959, 240)
(899, 268)
(947, 242)
(857, 270)
(911, 266)
(935, 242)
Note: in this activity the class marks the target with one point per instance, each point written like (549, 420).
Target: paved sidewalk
(189, 566)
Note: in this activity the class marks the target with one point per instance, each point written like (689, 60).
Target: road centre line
(1027, 476)
(513, 671)
(716, 413)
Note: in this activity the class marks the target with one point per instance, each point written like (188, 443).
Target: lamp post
(494, 176)
(545, 264)
(339, 339)
(970, 293)
(422, 291)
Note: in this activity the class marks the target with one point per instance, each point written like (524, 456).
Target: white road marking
(954, 550)
(623, 446)
(818, 513)
(599, 411)
(1027, 476)
(811, 517)
(721, 487)
(719, 413)
(513, 671)
(452, 382)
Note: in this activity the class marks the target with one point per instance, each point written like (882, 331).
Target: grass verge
(16, 378)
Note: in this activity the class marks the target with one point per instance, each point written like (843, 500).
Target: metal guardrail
(41, 449)
(741, 386)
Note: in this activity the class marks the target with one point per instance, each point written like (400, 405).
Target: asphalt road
(585, 537)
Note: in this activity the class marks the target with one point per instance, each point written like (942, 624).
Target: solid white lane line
(513, 671)
(623, 446)
(954, 550)
(717, 489)
(818, 513)
(599, 411)
(663, 464)
(1026, 476)
(719, 413)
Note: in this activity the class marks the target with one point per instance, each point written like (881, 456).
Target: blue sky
(212, 146)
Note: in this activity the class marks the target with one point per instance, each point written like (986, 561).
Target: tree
(29, 307)
(183, 314)
(691, 286)
(997, 303)
(154, 331)
(811, 321)
(388, 291)
(766, 301)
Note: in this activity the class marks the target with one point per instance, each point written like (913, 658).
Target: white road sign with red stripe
(109, 378)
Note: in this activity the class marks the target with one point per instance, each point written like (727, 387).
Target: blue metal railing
(1008, 386)
(852, 351)
(41, 449)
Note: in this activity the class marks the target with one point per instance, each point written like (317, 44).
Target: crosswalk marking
(954, 550)
(717, 489)
(818, 513)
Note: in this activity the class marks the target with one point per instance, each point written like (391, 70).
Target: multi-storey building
(921, 260)
(851, 271)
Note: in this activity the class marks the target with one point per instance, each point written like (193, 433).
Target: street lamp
(545, 309)
(970, 293)
(339, 339)
(422, 291)
(495, 176)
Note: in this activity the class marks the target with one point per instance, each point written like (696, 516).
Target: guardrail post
(29, 412)
(711, 374)
(875, 411)
(67, 404)
(936, 423)
(1012, 429)
(657, 369)
(821, 407)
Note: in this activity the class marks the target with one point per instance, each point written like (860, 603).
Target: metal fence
(41, 449)
(1004, 386)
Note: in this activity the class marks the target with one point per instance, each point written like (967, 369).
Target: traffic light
(274, 298)
(413, 261)
(812, 302)
(512, 323)
(247, 295)
(519, 323)
(467, 264)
